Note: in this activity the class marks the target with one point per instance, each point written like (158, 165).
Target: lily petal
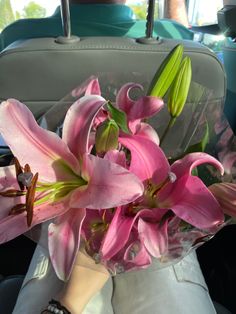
(105, 178)
(8, 177)
(63, 241)
(8, 181)
(154, 237)
(191, 200)
(141, 260)
(225, 193)
(78, 123)
(15, 225)
(185, 165)
(89, 87)
(12, 226)
(114, 241)
(147, 158)
(117, 157)
(44, 150)
(147, 131)
(145, 107)
(123, 100)
(93, 88)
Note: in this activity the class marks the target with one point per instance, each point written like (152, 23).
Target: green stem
(169, 126)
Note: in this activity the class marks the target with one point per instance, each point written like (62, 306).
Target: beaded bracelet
(55, 307)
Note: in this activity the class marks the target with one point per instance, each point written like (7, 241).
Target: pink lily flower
(98, 230)
(134, 233)
(167, 188)
(173, 187)
(59, 178)
(225, 193)
(137, 110)
(138, 233)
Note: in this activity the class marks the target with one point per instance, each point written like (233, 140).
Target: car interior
(40, 72)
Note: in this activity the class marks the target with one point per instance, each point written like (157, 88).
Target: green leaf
(119, 116)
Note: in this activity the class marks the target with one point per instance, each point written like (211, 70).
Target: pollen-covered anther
(12, 193)
(30, 196)
(172, 177)
(17, 209)
(19, 170)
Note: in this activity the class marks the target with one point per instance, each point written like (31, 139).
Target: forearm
(86, 279)
(176, 10)
(77, 293)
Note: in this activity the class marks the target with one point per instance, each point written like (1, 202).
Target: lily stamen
(27, 183)
(19, 171)
(27, 168)
(170, 179)
(30, 196)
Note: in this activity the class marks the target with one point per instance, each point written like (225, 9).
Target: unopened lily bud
(180, 88)
(166, 73)
(106, 136)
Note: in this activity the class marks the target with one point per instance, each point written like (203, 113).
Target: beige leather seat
(40, 72)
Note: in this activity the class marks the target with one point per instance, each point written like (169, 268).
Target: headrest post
(66, 25)
(150, 18)
(65, 18)
(149, 39)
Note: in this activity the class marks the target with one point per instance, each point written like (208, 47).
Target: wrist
(84, 283)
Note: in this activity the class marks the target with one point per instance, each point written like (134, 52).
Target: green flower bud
(180, 88)
(106, 136)
(166, 73)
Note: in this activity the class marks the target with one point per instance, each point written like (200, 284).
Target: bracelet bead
(55, 307)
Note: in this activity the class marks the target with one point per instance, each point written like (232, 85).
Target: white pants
(177, 289)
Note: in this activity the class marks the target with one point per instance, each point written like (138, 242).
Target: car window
(12, 10)
(202, 12)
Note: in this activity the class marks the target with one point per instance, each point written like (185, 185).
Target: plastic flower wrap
(108, 181)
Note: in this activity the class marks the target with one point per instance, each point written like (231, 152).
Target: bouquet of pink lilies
(107, 182)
